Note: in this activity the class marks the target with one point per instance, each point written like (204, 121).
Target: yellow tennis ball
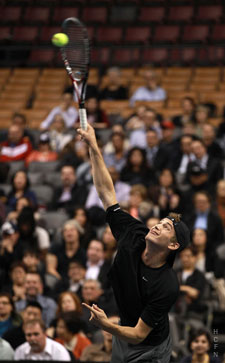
(60, 39)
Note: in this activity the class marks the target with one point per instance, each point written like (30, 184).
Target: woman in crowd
(8, 317)
(86, 231)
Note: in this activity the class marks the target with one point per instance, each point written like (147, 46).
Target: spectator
(34, 292)
(31, 259)
(16, 285)
(69, 154)
(201, 118)
(136, 170)
(151, 91)
(95, 116)
(59, 136)
(16, 147)
(220, 199)
(209, 139)
(156, 154)
(199, 344)
(44, 152)
(8, 317)
(20, 204)
(20, 188)
(116, 157)
(152, 221)
(110, 244)
(70, 194)
(100, 352)
(69, 333)
(86, 230)
(61, 254)
(188, 112)
(16, 336)
(20, 120)
(136, 121)
(7, 353)
(114, 90)
(38, 346)
(66, 109)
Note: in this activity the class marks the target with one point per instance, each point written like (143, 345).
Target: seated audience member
(34, 292)
(38, 346)
(157, 156)
(200, 343)
(100, 352)
(188, 112)
(199, 241)
(136, 170)
(151, 91)
(61, 254)
(202, 113)
(69, 332)
(109, 146)
(210, 141)
(83, 171)
(114, 89)
(16, 147)
(192, 283)
(7, 353)
(69, 155)
(44, 152)
(110, 244)
(122, 190)
(31, 260)
(20, 204)
(70, 194)
(165, 194)
(220, 199)
(72, 283)
(8, 316)
(66, 109)
(20, 120)
(20, 188)
(136, 121)
(67, 301)
(117, 156)
(16, 336)
(16, 284)
(59, 136)
(204, 217)
(95, 116)
(87, 232)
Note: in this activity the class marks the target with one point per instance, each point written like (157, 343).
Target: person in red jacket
(16, 147)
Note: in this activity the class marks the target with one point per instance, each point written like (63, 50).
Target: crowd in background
(157, 166)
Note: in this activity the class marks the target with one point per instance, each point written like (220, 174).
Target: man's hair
(34, 322)
(18, 264)
(34, 304)
(177, 218)
(72, 321)
(97, 283)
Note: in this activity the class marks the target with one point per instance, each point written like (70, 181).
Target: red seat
(10, 13)
(137, 34)
(126, 56)
(218, 32)
(25, 33)
(166, 33)
(157, 55)
(5, 33)
(216, 55)
(91, 32)
(45, 56)
(101, 55)
(151, 14)
(180, 13)
(48, 31)
(62, 13)
(195, 33)
(211, 12)
(95, 14)
(37, 14)
(188, 55)
(111, 34)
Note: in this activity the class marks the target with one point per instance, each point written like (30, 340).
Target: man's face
(18, 275)
(68, 176)
(35, 337)
(201, 203)
(70, 234)
(76, 272)
(187, 259)
(198, 149)
(95, 252)
(33, 285)
(161, 233)
(15, 134)
(152, 139)
(186, 142)
(91, 291)
(31, 313)
(5, 306)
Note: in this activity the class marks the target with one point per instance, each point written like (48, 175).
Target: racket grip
(83, 118)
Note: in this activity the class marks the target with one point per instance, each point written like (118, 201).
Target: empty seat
(211, 12)
(166, 33)
(5, 33)
(26, 72)
(137, 34)
(6, 188)
(188, 55)
(180, 13)
(45, 105)
(109, 34)
(95, 14)
(44, 167)
(157, 55)
(53, 178)
(47, 33)
(37, 14)
(13, 105)
(113, 107)
(25, 33)
(123, 14)
(10, 13)
(44, 194)
(41, 56)
(195, 33)
(35, 178)
(218, 33)
(126, 56)
(61, 13)
(54, 220)
(101, 55)
(14, 167)
(34, 117)
(152, 14)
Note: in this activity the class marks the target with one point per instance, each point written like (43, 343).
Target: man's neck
(153, 257)
(4, 317)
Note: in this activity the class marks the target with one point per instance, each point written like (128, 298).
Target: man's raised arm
(102, 179)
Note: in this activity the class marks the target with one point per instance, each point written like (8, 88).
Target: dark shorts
(123, 352)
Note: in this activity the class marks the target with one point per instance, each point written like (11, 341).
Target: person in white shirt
(7, 353)
(38, 346)
(151, 91)
(68, 112)
(95, 259)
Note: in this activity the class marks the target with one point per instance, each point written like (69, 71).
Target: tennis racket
(76, 57)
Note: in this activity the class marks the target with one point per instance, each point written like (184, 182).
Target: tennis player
(144, 283)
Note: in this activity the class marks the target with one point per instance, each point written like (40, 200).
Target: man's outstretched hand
(88, 135)
(98, 316)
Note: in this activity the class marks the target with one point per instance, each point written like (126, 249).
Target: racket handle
(83, 118)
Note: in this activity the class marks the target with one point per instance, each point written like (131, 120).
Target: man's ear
(173, 246)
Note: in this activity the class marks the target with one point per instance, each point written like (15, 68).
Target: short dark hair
(72, 321)
(18, 264)
(34, 304)
(197, 333)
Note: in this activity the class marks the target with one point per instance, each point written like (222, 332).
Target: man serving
(144, 283)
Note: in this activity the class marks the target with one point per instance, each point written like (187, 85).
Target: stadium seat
(157, 105)
(10, 14)
(5, 118)
(151, 14)
(109, 34)
(195, 33)
(14, 105)
(155, 55)
(54, 220)
(36, 14)
(180, 14)
(34, 117)
(53, 179)
(137, 34)
(41, 56)
(123, 14)
(113, 107)
(188, 55)
(200, 86)
(94, 15)
(6, 188)
(35, 178)
(166, 33)
(26, 72)
(209, 13)
(218, 33)
(61, 13)
(179, 71)
(14, 167)
(47, 33)
(44, 167)
(126, 56)
(5, 33)
(44, 105)
(44, 194)
(25, 33)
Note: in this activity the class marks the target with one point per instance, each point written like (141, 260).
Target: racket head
(76, 53)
